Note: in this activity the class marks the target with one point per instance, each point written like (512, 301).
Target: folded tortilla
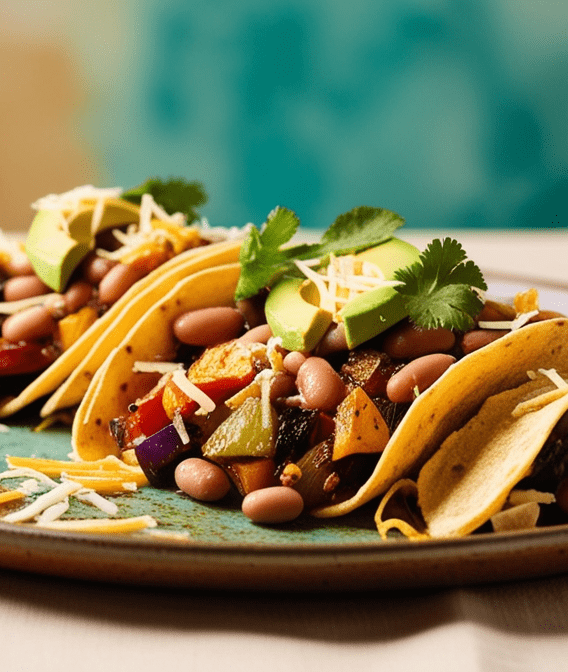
(70, 375)
(115, 384)
(457, 396)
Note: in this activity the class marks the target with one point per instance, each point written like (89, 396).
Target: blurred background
(452, 113)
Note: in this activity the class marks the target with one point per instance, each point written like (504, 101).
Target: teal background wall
(452, 113)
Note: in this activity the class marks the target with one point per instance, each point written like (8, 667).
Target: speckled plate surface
(214, 546)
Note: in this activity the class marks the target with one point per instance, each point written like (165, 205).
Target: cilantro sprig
(263, 258)
(440, 289)
(174, 195)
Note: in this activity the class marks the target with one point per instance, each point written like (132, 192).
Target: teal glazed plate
(209, 546)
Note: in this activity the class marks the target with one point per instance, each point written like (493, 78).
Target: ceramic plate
(213, 546)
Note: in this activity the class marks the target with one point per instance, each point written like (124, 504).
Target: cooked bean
(208, 326)
(78, 295)
(31, 324)
(320, 385)
(293, 361)
(283, 385)
(202, 480)
(417, 376)
(20, 265)
(277, 504)
(334, 340)
(24, 287)
(252, 309)
(407, 341)
(117, 282)
(546, 315)
(260, 334)
(95, 268)
(479, 338)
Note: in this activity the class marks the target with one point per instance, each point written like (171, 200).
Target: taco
(308, 394)
(107, 258)
(507, 460)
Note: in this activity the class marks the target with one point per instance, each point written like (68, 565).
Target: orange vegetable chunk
(359, 426)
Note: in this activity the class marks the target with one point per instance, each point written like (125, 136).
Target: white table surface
(57, 624)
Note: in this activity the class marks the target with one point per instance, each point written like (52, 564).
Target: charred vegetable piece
(248, 432)
(146, 417)
(249, 475)
(159, 455)
(295, 432)
(324, 481)
(369, 369)
(220, 372)
(360, 427)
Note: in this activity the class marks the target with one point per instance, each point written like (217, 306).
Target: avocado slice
(372, 312)
(55, 253)
(293, 313)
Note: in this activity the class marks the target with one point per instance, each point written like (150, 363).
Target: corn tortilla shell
(70, 375)
(114, 385)
(470, 477)
(455, 397)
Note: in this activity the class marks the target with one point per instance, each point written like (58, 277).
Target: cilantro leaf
(262, 260)
(174, 195)
(439, 289)
(260, 256)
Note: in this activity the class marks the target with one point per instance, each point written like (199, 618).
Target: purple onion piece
(159, 454)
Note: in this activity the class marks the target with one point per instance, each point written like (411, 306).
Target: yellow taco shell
(457, 396)
(70, 375)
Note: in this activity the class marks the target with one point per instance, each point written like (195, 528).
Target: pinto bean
(277, 504)
(417, 375)
(95, 268)
(31, 324)
(208, 326)
(202, 480)
(479, 338)
(24, 287)
(293, 361)
(117, 282)
(320, 385)
(283, 385)
(259, 334)
(20, 265)
(77, 295)
(334, 340)
(407, 341)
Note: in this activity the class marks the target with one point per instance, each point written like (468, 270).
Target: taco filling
(326, 371)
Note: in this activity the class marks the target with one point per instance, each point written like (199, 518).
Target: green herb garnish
(440, 288)
(174, 195)
(263, 260)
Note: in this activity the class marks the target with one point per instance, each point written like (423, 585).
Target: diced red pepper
(20, 358)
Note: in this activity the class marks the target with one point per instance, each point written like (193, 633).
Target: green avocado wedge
(372, 312)
(294, 313)
(55, 251)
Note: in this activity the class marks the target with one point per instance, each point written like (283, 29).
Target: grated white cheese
(22, 472)
(4, 429)
(11, 307)
(156, 367)
(53, 512)
(193, 392)
(29, 486)
(57, 494)
(179, 426)
(513, 325)
(554, 377)
(92, 497)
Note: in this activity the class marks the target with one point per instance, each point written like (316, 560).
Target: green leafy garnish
(263, 260)
(174, 195)
(440, 288)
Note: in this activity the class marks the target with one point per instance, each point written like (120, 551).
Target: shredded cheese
(542, 400)
(192, 391)
(513, 325)
(101, 525)
(57, 494)
(156, 367)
